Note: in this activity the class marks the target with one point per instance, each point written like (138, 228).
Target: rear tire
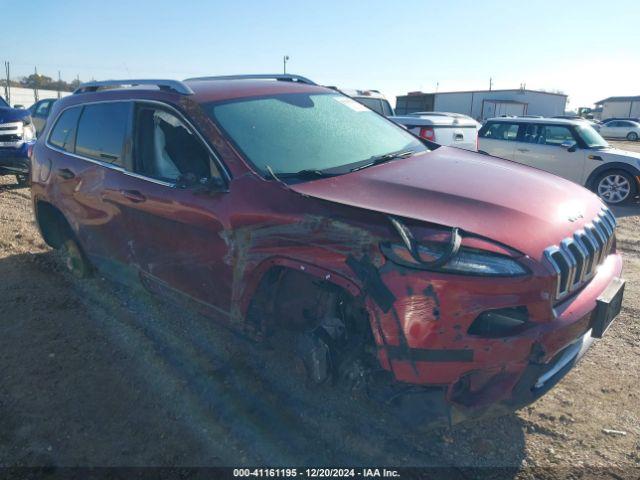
(616, 187)
(632, 136)
(74, 259)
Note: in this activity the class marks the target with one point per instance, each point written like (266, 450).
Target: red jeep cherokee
(273, 204)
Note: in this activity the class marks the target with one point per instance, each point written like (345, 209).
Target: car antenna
(280, 181)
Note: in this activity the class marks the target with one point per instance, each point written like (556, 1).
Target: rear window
(101, 131)
(64, 132)
(500, 131)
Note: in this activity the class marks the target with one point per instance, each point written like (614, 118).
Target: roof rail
(282, 77)
(171, 85)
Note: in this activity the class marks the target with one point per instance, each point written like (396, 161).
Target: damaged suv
(452, 282)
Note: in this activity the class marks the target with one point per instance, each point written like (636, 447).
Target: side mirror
(18, 106)
(569, 145)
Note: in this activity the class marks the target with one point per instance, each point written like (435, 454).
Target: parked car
(569, 148)
(621, 129)
(632, 119)
(451, 282)
(40, 112)
(17, 136)
(443, 128)
(370, 98)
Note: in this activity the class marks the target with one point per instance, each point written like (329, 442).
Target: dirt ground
(93, 374)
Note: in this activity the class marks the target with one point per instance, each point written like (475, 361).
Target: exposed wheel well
(53, 225)
(324, 324)
(289, 298)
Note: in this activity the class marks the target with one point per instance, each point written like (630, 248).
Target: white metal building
(483, 104)
(622, 107)
(26, 96)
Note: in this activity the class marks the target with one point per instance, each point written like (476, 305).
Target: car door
(545, 147)
(613, 129)
(89, 162)
(174, 229)
(498, 139)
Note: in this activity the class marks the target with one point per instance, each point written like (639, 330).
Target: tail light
(427, 133)
(30, 151)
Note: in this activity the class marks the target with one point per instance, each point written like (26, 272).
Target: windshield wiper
(306, 173)
(377, 160)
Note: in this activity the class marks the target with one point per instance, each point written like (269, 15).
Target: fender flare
(630, 169)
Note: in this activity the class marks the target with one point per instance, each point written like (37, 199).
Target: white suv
(569, 148)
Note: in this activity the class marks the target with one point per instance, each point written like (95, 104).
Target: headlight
(28, 130)
(467, 261)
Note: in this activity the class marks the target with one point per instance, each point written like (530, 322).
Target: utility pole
(7, 87)
(284, 64)
(490, 83)
(35, 84)
(59, 84)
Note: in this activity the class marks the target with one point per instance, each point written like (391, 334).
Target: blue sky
(587, 49)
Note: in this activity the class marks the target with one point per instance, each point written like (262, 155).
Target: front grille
(11, 133)
(12, 137)
(576, 258)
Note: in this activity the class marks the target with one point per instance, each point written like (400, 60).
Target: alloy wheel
(614, 188)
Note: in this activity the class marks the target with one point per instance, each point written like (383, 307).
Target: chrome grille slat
(575, 259)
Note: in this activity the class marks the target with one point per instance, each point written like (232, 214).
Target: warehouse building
(483, 104)
(619, 107)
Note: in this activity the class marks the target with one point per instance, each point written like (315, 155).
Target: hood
(8, 115)
(521, 207)
(615, 154)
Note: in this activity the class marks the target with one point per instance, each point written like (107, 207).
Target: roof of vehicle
(435, 119)
(217, 90)
(554, 121)
(206, 89)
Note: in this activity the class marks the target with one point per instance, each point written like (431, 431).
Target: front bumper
(15, 160)
(423, 339)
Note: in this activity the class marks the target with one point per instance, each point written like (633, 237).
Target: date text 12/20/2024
(316, 472)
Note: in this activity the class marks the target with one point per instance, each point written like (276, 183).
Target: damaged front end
(469, 328)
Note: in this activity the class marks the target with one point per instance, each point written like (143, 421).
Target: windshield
(3, 103)
(300, 131)
(591, 137)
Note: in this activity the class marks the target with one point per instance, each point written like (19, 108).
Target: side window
(532, 132)
(500, 131)
(42, 109)
(165, 148)
(554, 135)
(63, 134)
(102, 130)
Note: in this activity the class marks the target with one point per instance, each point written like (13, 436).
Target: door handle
(133, 195)
(523, 150)
(66, 174)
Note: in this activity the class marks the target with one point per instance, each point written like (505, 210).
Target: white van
(444, 128)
